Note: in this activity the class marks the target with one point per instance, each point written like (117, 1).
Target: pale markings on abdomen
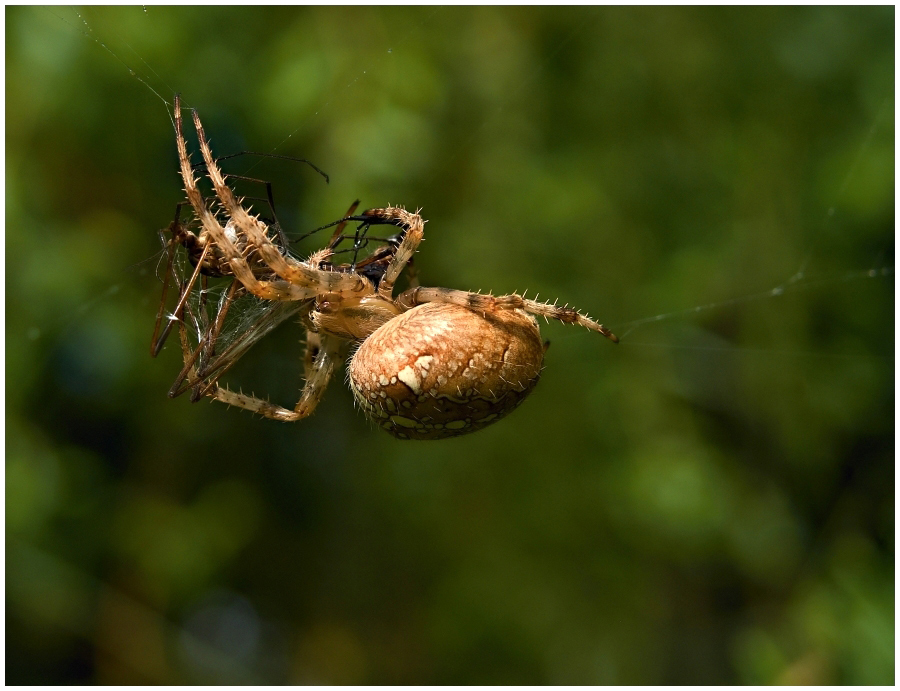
(408, 377)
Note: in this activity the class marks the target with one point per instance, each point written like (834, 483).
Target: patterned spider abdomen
(442, 370)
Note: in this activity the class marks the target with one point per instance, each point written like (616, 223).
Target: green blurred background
(712, 501)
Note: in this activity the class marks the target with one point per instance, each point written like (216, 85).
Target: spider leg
(311, 280)
(270, 200)
(270, 290)
(317, 380)
(567, 315)
(414, 226)
(413, 231)
(478, 302)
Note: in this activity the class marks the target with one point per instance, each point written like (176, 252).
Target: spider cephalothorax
(430, 362)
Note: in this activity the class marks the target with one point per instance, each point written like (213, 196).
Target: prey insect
(428, 363)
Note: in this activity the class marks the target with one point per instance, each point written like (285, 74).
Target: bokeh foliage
(712, 501)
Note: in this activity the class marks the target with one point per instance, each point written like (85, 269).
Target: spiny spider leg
(270, 290)
(270, 200)
(311, 281)
(476, 301)
(413, 230)
(317, 381)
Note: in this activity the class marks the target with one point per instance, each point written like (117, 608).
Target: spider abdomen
(442, 370)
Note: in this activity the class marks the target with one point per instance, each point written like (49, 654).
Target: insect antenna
(341, 223)
(202, 164)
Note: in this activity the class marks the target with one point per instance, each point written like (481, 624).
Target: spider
(428, 363)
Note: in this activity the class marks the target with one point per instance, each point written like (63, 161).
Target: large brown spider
(430, 362)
